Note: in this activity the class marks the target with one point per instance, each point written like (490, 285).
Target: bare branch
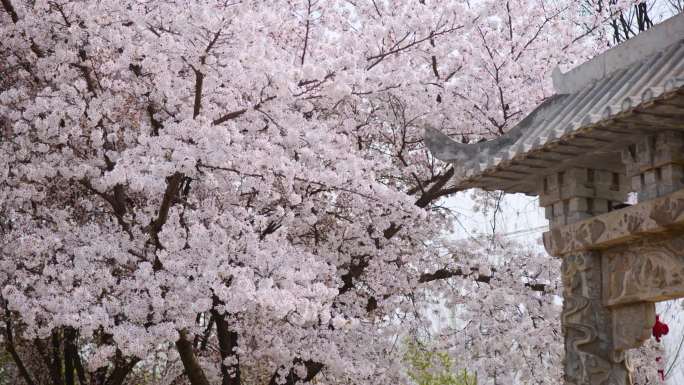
(238, 113)
(199, 76)
(307, 28)
(397, 47)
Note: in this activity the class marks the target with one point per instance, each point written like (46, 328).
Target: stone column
(592, 356)
(641, 251)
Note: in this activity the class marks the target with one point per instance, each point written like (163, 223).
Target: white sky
(520, 218)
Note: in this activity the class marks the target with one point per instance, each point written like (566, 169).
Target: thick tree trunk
(56, 363)
(72, 359)
(228, 342)
(192, 367)
(9, 346)
(69, 360)
(121, 369)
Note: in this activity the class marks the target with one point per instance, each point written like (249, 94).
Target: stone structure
(615, 127)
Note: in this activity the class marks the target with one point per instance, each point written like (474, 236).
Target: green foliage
(5, 364)
(426, 367)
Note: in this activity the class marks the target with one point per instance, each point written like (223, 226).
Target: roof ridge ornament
(448, 150)
(637, 49)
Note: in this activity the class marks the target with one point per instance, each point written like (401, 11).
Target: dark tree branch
(306, 33)
(238, 113)
(192, 367)
(510, 21)
(117, 201)
(377, 10)
(434, 66)
(86, 72)
(69, 378)
(445, 273)
(199, 81)
(211, 44)
(434, 192)
(56, 363)
(70, 352)
(230, 116)
(440, 274)
(397, 47)
(79, 369)
(312, 369)
(535, 36)
(207, 332)
(449, 273)
(199, 76)
(228, 342)
(173, 187)
(11, 349)
(122, 368)
(43, 353)
(72, 358)
(536, 286)
(9, 8)
(156, 124)
(271, 228)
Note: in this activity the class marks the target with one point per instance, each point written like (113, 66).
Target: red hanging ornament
(660, 329)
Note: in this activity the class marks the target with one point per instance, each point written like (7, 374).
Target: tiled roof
(602, 105)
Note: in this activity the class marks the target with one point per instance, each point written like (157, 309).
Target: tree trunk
(192, 367)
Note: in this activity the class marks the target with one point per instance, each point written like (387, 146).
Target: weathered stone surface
(662, 215)
(616, 262)
(632, 325)
(579, 193)
(649, 270)
(591, 355)
(655, 164)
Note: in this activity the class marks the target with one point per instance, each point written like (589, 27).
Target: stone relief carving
(632, 325)
(608, 230)
(667, 211)
(590, 354)
(617, 261)
(650, 270)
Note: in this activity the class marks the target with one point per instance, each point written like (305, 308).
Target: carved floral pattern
(645, 271)
(642, 221)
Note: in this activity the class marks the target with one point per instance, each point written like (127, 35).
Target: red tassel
(660, 329)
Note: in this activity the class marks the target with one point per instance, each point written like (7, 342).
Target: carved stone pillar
(617, 262)
(591, 356)
(595, 339)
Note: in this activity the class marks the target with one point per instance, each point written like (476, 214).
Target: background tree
(237, 192)
(428, 367)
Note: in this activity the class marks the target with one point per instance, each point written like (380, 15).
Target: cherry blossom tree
(237, 192)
